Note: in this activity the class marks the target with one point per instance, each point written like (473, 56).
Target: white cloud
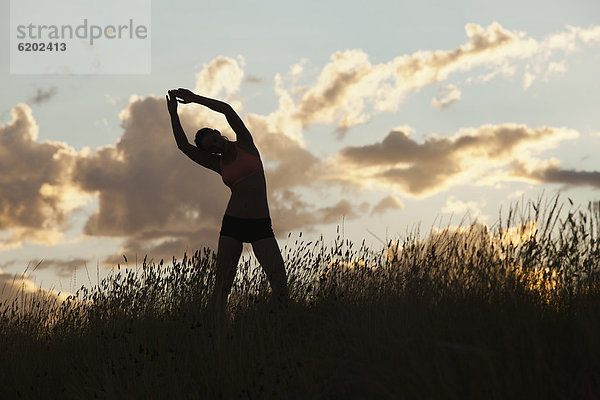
(528, 79)
(465, 208)
(555, 68)
(515, 194)
(350, 89)
(446, 96)
(221, 74)
(110, 99)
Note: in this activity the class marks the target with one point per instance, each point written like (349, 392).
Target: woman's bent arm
(234, 120)
(203, 158)
(213, 104)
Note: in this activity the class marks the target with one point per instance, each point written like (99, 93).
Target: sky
(371, 118)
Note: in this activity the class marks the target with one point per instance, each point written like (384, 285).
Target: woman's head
(210, 140)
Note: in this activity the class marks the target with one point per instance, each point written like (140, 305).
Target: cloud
(63, 268)
(290, 213)
(110, 99)
(147, 189)
(254, 79)
(16, 288)
(446, 96)
(150, 194)
(539, 61)
(555, 68)
(42, 96)
(387, 203)
(350, 81)
(350, 90)
(36, 194)
(158, 201)
(164, 244)
(220, 74)
(421, 169)
(516, 193)
(295, 165)
(339, 91)
(550, 172)
(591, 34)
(163, 204)
(328, 215)
(528, 79)
(463, 208)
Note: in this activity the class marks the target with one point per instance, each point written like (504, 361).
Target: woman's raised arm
(178, 132)
(203, 158)
(234, 120)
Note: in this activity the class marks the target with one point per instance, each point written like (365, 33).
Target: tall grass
(509, 311)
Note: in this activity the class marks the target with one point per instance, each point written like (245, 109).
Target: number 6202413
(44, 46)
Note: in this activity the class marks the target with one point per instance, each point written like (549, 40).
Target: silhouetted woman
(247, 216)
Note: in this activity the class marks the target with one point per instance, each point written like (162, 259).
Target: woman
(247, 216)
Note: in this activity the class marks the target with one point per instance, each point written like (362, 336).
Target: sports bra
(244, 165)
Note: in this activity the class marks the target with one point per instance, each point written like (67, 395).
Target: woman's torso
(249, 195)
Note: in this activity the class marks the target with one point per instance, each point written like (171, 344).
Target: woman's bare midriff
(249, 198)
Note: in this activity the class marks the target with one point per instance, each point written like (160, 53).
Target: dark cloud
(296, 166)
(555, 174)
(387, 203)
(7, 264)
(35, 190)
(165, 204)
(144, 182)
(290, 213)
(164, 245)
(328, 215)
(254, 79)
(421, 168)
(42, 96)
(63, 268)
(161, 203)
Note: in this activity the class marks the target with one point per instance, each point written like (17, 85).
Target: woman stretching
(247, 216)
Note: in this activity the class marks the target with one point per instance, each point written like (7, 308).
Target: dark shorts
(246, 229)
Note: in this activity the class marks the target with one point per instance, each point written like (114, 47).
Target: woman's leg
(269, 256)
(228, 256)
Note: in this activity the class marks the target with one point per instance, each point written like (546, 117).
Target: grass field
(509, 312)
